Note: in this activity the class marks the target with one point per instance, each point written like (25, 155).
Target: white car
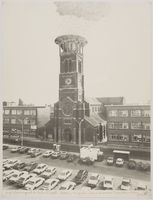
(15, 149)
(15, 177)
(48, 153)
(64, 174)
(108, 183)
(141, 186)
(40, 168)
(23, 180)
(34, 183)
(69, 185)
(119, 162)
(31, 150)
(93, 180)
(10, 164)
(126, 184)
(48, 172)
(5, 161)
(50, 184)
(8, 174)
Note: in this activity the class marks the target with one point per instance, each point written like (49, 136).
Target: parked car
(31, 150)
(55, 155)
(15, 149)
(34, 183)
(24, 150)
(40, 168)
(110, 161)
(63, 155)
(30, 166)
(126, 184)
(7, 174)
(48, 153)
(63, 175)
(5, 147)
(23, 180)
(48, 172)
(132, 164)
(19, 165)
(119, 162)
(141, 186)
(107, 183)
(71, 158)
(50, 184)
(14, 178)
(81, 176)
(69, 185)
(36, 153)
(10, 164)
(5, 161)
(93, 180)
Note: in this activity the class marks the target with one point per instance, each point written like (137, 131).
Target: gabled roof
(92, 100)
(94, 120)
(111, 100)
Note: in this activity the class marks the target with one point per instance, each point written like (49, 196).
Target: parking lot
(99, 167)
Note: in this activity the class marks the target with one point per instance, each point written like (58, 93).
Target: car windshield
(108, 182)
(62, 188)
(15, 175)
(125, 183)
(48, 170)
(31, 182)
(93, 178)
(46, 184)
(53, 182)
(62, 173)
(39, 167)
(21, 179)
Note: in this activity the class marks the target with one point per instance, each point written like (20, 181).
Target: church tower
(69, 111)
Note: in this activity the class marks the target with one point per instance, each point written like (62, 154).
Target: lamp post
(22, 129)
(79, 124)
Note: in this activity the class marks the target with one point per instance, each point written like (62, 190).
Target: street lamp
(79, 124)
(22, 129)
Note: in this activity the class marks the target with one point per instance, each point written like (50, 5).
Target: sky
(117, 58)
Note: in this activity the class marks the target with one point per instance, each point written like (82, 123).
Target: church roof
(92, 100)
(95, 119)
(111, 100)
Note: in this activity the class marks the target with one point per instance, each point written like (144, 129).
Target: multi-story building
(26, 118)
(128, 124)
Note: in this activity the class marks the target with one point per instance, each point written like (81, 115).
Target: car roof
(94, 174)
(126, 179)
(51, 180)
(65, 170)
(41, 164)
(108, 178)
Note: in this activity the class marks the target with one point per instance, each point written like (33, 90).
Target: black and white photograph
(76, 97)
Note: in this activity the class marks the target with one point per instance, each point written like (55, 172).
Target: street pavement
(98, 167)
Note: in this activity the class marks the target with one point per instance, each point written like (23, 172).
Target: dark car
(19, 165)
(30, 166)
(24, 150)
(81, 176)
(63, 155)
(5, 147)
(71, 158)
(55, 155)
(110, 161)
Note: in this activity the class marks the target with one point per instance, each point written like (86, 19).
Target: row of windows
(19, 112)
(125, 125)
(69, 65)
(95, 108)
(17, 121)
(125, 113)
(125, 138)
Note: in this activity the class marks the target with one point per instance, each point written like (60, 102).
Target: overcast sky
(117, 58)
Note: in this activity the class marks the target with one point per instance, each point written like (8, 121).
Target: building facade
(27, 119)
(128, 124)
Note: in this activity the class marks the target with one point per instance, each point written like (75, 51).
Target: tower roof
(71, 38)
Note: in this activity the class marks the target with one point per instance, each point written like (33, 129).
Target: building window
(19, 112)
(146, 126)
(13, 121)
(112, 113)
(32, 112)
(123, 125)
(136, 125)
(26, 121)
(79, 66)
(26, 112)
(137, 138)
(32, 122)
(7, 112)
(123, 113)
(146, 113)
(123, 138)
(111, 125)
(146, 138)
(13, 112)
(6, 120)
(135, 113)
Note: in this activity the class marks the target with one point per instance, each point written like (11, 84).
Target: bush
(132, 164)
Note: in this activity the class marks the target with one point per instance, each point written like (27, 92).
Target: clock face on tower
(68, 81)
